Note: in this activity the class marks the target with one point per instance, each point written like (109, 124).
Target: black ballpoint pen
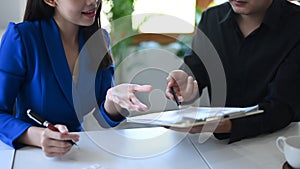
(44, 123)
(175, 97)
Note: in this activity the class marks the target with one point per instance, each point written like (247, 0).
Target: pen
(45, 123)
(175, 97)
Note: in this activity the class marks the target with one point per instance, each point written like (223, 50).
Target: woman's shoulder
(23, 25)
(23, 28)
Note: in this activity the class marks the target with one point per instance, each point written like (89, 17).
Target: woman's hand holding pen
(55, 140)
(123, 96)
(185, 87)
(54, 143)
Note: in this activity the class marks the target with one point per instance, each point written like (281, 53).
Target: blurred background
(136, 25)
(145, 35)
(148, 22)
(143, 17)
(11, 11)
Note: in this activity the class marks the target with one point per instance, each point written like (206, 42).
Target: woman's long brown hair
(39, 10)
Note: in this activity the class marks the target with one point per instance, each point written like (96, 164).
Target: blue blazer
(34, 74)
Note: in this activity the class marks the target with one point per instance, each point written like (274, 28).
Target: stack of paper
(191, 116)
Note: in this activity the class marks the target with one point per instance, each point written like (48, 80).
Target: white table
(255, 153)
(156, 148)
(6, 156)
(145, 148)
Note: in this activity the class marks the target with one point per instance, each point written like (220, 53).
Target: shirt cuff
(13, 143)
(238, 131)
(104, 120)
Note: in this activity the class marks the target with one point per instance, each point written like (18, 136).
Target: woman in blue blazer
(38, 65)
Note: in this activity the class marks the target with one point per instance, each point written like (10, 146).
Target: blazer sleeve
(107, 82)
(12, 73)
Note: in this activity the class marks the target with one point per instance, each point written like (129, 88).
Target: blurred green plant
(121, 8)
(119, 29)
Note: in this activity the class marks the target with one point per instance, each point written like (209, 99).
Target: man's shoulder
(291, 14)
(292, 10)
(219, 10)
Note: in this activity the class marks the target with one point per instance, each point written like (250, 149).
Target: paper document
(191, 116)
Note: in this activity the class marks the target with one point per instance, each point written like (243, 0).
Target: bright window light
(164, 16)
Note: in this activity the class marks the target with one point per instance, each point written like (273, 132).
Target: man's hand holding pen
(181, 87)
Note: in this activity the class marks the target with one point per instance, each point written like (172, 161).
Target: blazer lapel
(84, 97)
(57, 57)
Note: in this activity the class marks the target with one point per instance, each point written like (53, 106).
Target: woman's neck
(68, 30)
(69, 37)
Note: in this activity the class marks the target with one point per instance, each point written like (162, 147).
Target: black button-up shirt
(262, 68)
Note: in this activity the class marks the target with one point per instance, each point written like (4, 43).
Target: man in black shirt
(259, 47)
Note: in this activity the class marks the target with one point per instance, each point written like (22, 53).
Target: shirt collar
(272, 17)
(229, 15)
